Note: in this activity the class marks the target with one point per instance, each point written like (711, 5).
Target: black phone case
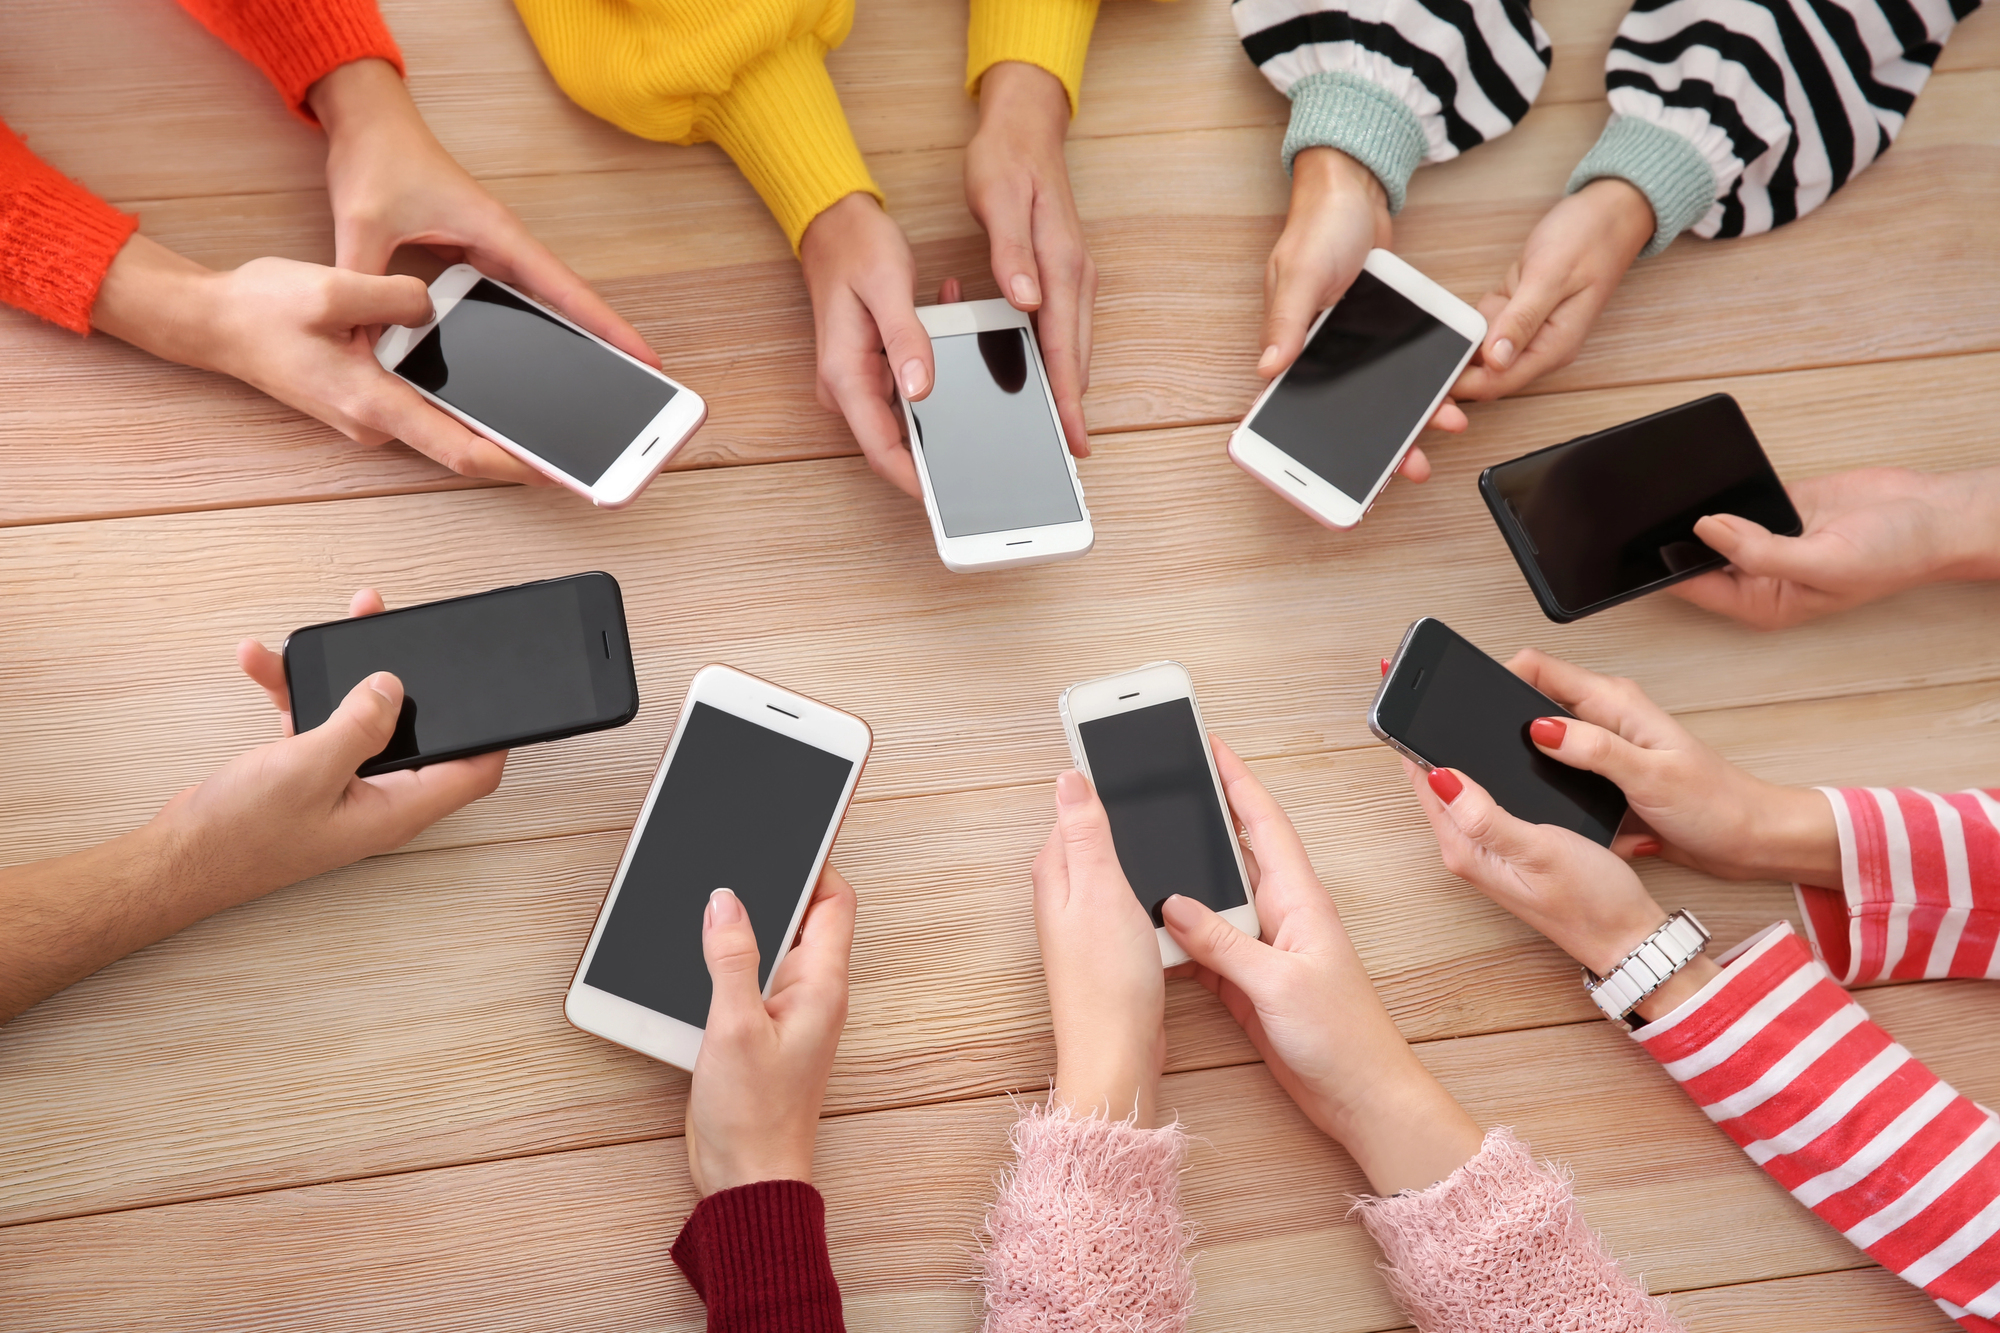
(1523, 550)
(372, 767)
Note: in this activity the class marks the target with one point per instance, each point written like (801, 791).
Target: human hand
(1866, 534)
(294, 808)
(1688, 804)
(1339, 212)
(1017, 185)
(1538, 318)
(302, 333)
(391, 183)
(863, 284)
(1580, 896)
(753, 1109)
(1101, 958)
(1307, 1005)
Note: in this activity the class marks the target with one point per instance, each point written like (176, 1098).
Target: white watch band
(1666, 951)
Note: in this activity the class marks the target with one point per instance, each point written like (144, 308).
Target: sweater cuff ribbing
(782, 124)
(57, 239)
(1362, 119)
(297, 45)
(1671, 172)
(756, 1255)
(1051, 34)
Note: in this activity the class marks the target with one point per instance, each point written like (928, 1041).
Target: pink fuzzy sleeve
(1087, 1232)
(1499, 1246)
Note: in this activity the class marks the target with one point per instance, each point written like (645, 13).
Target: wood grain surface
(355, 1103)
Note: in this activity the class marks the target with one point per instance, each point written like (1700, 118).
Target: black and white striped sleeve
(1737, 116)
(1394, 83)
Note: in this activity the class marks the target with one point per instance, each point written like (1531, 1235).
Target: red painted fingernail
(1446, 784)
(1547, 731)
(1646, 847)
(1385, 666)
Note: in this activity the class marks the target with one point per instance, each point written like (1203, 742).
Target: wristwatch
(1664, 952)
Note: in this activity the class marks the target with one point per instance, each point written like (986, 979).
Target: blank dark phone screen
(511, 366)
(1151, 770)
(477, 672)
(1362, 386)
(1614, 512)
(996, 458)
(742, 808)
(1466, 711)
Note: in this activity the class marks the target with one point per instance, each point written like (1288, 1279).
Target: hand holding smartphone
(1445, 704)
(1329, 433)
(1608, 517)
(1000, 486)
(1139, 738)
(556, 396)
(514, 666)
(749, 796)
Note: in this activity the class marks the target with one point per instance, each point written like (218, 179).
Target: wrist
(1609, 942)
(1407, 1132)
(160, 301)
(361, 93)
(1017, 95)
(1322, 175)
(1969, 505)
(1795, 837)
(1677, 989)
(1114, 1085)
(1627, 213)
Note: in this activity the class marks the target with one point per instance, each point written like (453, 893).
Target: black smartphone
(1445, 704)
(1609, 517)
(534, 662)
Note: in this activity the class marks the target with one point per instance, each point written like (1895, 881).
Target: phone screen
(511, 366)
(1458, 708)
(1362, 386)
(1151, 770)
(741, 808)
(478, 672)
(1614, 512)
(992, 447)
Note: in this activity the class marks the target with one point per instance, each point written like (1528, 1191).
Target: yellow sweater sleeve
(747, 75)
(1054, 34)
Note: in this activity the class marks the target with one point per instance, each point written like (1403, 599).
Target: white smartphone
(1138, 737)
(1330, 431)
(560, 399)
(999, 484)
(755, 782)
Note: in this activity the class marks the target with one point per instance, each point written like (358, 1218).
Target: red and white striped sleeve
(1851, 1123)
(1920, 886)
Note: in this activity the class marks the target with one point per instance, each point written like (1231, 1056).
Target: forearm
(1968, 505)
(1409, 1133)
(363, 98)
(159, 301)
(64, 919)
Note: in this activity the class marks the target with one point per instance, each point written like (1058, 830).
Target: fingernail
(1446, 784)
(387, 686)
(724, 908)
(1503, 353)
(1547, 731)
(1646, 847)
(1071, 789)
(1269, 361)
(913, 377)
(1025, 291)
(1169, 907)
(1385, 666)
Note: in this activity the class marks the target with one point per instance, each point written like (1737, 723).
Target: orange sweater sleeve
(57, 239)
(298, 42)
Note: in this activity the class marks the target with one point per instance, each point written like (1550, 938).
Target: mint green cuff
(1671, 172)
(1363, 120)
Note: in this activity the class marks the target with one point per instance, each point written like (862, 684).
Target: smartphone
(1139, 738)
(1329, 432)
(1609, 517)
(1445, 704)
(755, 782)
(560, 399)
(1000, 487)
(515, 666)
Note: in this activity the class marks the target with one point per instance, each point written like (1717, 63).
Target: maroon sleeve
(756, 1255)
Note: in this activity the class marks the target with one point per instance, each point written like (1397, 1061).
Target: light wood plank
(1861, 1300)
(103, 429)
(579, 1238)
(1280, 621)
(448, 1042)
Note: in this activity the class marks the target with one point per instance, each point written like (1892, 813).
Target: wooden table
(355, 1104)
